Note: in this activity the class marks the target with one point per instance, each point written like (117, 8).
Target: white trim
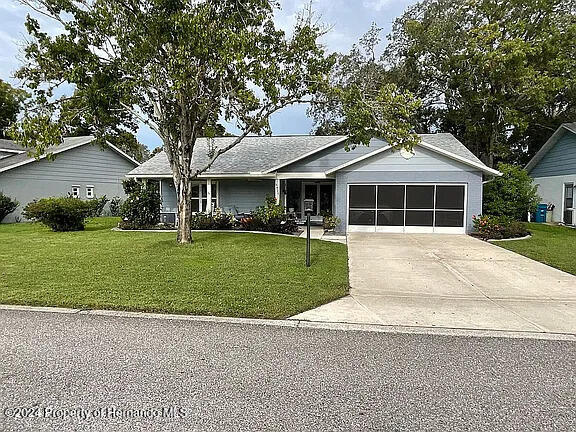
(547, 147)
(209, 196)
(304, 176)
(462, 159)
(12, 151)
(423, 144)
(305, 155)
(277, 190)
(27, 161)
(91, 189)
(130, 158)
(358, 159)
(58, 151)
(405, 228)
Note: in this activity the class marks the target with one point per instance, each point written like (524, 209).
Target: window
(75, 191)
(89, 192)
(408, 205)
(200, 196)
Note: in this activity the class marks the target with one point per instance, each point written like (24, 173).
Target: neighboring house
(437, 188)
(553, 169)
(80, 169)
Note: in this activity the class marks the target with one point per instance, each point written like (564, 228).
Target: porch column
(277, 190)
(209, 196)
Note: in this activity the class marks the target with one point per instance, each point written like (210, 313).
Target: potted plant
(330, 223)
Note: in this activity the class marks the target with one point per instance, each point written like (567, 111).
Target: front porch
(295, 191)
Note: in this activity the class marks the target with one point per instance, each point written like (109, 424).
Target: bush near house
(61, 214)
(218, 220)
(270, 217)
(7, 206)
(141, 209)
(115, 206)
(498, 227)
(98, 206)
(513, 195)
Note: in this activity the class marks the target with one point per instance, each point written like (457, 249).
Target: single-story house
(80, 169)
(437, 188)
(553, 169)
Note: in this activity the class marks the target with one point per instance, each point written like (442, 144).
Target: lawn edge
(302, 324)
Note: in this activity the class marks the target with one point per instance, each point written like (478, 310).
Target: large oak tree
(180, 66)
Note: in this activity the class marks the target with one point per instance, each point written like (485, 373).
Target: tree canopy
(11, 100)
(498, 74)
(180, 66)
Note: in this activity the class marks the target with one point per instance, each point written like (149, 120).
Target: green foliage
(217, 220)
(98, 205)
(115, 206)
(499, 74)
(512, 195)
(7, 206)
(270, 217)
(498, 227)
(361, 102)
(142, 206)
(10, 104)
(60, 214)
(331, 222)
(180, 67)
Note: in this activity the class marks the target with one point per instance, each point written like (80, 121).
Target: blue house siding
(559, 160)
(332, 157)
(472, 179)
(243, 194)
(91, 165)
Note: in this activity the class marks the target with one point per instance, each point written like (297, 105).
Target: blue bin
(540, 216)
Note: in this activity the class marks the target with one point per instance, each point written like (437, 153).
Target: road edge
(302, 324)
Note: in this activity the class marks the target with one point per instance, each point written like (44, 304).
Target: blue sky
(348, 19)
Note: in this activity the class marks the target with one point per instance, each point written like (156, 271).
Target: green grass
(225, 274)
(552, 245)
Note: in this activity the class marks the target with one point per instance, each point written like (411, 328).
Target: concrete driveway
(452, 281)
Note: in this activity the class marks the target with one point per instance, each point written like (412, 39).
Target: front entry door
(322, 194)
(569, 204)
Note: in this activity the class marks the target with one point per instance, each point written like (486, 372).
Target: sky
(347, 19)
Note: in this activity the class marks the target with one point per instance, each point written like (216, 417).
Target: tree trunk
(184, 190)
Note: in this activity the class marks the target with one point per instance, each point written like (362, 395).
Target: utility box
(541, 213)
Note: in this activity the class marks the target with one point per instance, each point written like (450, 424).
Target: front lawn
(552, 245)
(226, 274)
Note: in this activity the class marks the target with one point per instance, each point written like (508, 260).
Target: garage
(408, 208)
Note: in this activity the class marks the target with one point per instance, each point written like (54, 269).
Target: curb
(303, 324)
(509, 239)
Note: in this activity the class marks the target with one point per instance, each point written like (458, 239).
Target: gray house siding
(559, 160)
(245, 195)
(4, 154)
(87, 165)
(423, 167)
(332, 157)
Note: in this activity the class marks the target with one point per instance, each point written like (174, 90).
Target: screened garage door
(424, 208)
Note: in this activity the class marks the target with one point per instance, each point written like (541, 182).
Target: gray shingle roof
(10, 145)
(252, 155)
(260, 154)
(21, 158)
(448, 142)
(570, 126)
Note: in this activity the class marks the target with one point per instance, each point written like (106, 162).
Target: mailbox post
(308, 209)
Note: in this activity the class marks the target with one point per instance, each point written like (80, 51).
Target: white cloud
(377, 5)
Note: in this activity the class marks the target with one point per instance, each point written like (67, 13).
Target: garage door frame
(407, 229)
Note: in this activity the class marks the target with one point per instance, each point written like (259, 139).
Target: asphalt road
(108, 373)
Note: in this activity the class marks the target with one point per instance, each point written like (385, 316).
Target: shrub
(142, 207)
(98, 206)
(270, 217)
(218, 220)
(115, 206)
(60, 214)
(7, 206)
(330, 222)
(498, 227)
(512, 195)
